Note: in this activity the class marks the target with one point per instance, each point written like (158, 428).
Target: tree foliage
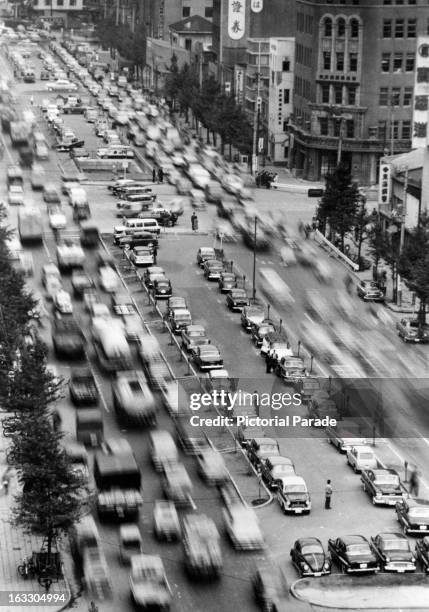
(339, 204)
(130, 45)
(413, 264)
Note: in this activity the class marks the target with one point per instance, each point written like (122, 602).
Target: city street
(396, 370)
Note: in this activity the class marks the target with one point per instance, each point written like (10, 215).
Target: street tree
(172, 82)
(413, 264)
(339, 204)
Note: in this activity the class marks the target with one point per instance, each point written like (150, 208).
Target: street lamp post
(402, 235)
(254, 262)
(256, 114)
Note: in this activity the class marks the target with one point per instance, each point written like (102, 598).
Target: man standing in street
(328, 495)
(269, 362)
(194, 222)
(414, 483)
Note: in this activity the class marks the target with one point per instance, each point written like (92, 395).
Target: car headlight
(326, 565)
(387, 559)
(378, 494)
(305, 567)
(413, 560)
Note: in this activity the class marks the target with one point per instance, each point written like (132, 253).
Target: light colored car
(242, 527)
(15, 196)
(362, 458)
(232, 183)
(211, 467)
(57, 219)
(177, 484)
(142, 256)
(293, 495)
(148, 583)
(199, 176)
(109, 279)
(63, 302)
(61, 85)
(166, 522)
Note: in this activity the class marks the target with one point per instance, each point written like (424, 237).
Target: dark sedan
(208, 357)
(227, 281)
(353, 554)
(250, 316)
(213, 269)
(162, 289)
(422, 553)
(260, 331)
(394, 552)
(237, 299)
(413, 516)
(68, 339)
(309, 557)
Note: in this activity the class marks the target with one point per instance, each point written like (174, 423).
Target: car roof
(309, 540)
(292, 479)
(195, 328)
(353, 539)
(264, 441)
(391, 535)
(380, 471)
(279, 460)
(181, 311)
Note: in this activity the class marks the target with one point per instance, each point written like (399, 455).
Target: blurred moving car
(412, 330)
(201, 546)
(242, 527)
(369, 290)
(148, 583)
(166, 524)
(211, 467)
(68, 339)
(176, 483)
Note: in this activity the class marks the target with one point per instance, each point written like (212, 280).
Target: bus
(30, 225)
(274, 288)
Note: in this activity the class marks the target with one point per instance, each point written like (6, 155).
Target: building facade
(191, 33)
(269, 87)
(160, 14)
(57, 9)
(354, 81)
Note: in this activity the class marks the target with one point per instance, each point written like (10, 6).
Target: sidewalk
(15, 546)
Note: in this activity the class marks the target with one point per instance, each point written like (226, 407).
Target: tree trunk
(222, 146)
(214, 138)
(395, 282)
(230, 151)
(208, 136)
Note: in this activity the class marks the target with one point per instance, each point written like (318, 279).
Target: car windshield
(295, 488)
(269, 448)
(182, 317)
(419, 512)
(197, 333)
(264, 330)
(389, 479)
(286, 468)
(396, 544)
(366, 456)
(358, 549)
(312, 549)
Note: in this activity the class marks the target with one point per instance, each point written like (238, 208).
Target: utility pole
(392, 127)
(402, 236)
(254, 262)
(258, 102)
(340, 140)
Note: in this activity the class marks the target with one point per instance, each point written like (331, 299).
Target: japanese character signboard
(236, 18)
(256, 5)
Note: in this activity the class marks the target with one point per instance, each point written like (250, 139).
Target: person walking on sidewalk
(160, 175)
(414, 483)
(269, 362)
(154, 173)
(328, 495)
(194, 222)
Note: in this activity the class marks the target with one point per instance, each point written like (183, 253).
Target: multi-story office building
(354, 80)
(269, 78)
(57, 9)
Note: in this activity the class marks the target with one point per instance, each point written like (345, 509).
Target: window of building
(326, 60)
(395, 98)
(47, 2)
(353, 62)
(399, 28)
(324, 127)
(338, 94)
(397, 62)
(208, 12)
(383, 98)
(409, 62)
(188, 44)
(325, 88)
(186, 11)
(394, 127)
(411, 28)
(354, 28)
(399, 1)
(340, 61)
(286, 65)
(356, 2)
(406, 130)
(60, 2)
(285, 125)
(350, 128)
(385, 62)
(351, 96)
(341, 27)
(382, 130)
(337, 127)
(286, 96)
(387, 2)
(408, 96)
(412, 1)
(387, 28)
(328, 27)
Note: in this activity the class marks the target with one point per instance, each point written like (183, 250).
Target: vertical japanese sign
(256, 6)
(236, 18)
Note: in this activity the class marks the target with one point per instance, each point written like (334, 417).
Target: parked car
(204, 254)
(261, 448)
(274, 468)
(361, 458)
(193, 336)
(208, 357)
(252, 316)
(293, 495)
(237, 299)
(179, 319)
(142, 256)
(383, 486)
(310, 558)
(394, 552)
(412, 330)
(213, 268)
(162, 288)
(353, 554)
(413, 516)
(369, 291)
(227, 281)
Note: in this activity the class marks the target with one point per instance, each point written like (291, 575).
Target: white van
(140, 225)
(163, 449)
